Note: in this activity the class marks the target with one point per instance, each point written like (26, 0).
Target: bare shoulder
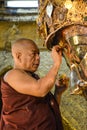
(12, 74)
(20, 81)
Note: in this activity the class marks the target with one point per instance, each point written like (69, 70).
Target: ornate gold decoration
(64, 23)
(64, 13)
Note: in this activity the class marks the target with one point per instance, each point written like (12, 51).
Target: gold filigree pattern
(64, 13)
(64, 23)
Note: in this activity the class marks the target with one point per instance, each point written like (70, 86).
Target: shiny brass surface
(64, 23)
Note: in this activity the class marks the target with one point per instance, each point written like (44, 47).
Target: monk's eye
(38, 53)
(33, 54)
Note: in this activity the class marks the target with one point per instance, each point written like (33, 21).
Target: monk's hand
(61, 84)
(56, 55)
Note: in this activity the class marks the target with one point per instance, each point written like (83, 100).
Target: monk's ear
(18, 56)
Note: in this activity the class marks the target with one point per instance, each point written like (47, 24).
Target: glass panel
(79, 44)
(22, 4)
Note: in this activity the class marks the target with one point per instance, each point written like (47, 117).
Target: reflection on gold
(68, 4)
(75, 38)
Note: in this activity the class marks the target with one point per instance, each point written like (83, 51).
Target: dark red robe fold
(25, 112)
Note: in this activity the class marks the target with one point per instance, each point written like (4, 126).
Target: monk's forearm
(46, 83)
(51, 75)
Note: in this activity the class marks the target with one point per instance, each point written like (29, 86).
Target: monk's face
(29, 58)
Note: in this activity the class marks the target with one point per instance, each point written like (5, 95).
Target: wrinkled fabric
(25, 112)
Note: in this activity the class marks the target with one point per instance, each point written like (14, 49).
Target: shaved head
(21, 45)
(25, 54)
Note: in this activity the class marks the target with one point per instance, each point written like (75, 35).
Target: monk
(28, 103)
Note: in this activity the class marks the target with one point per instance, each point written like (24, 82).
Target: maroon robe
(25, 112)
